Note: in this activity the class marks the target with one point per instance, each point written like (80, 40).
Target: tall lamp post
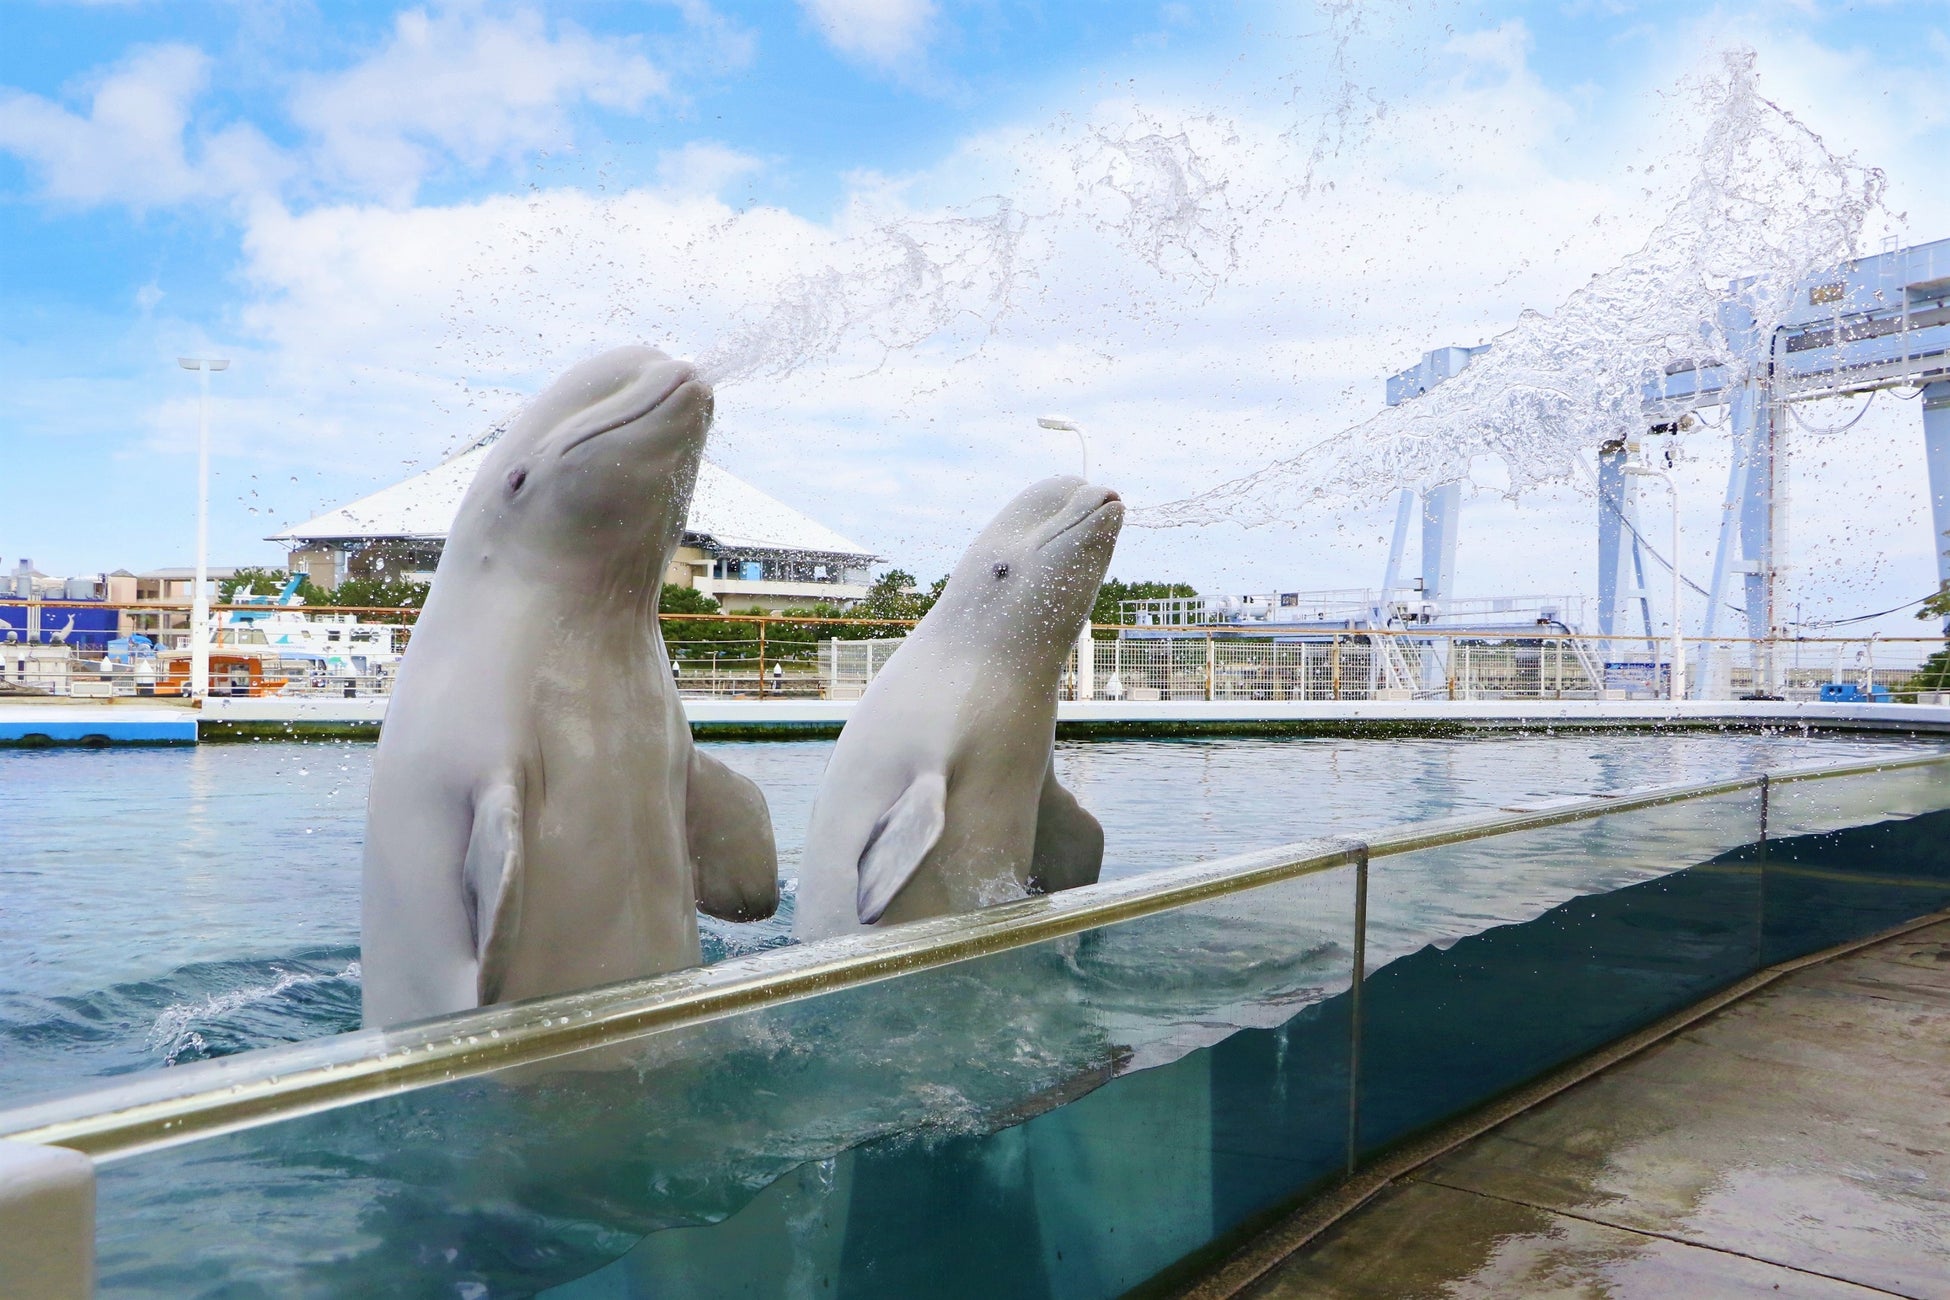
(1063, 424)
(1676, 686)
(1086, 644)
(199, 598)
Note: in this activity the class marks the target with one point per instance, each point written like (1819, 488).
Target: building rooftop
(724, 508)
(185, 573)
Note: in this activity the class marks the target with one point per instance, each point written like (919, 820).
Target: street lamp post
(1065, 425)
(1086, 644)
(1676, 686)
(199, 598)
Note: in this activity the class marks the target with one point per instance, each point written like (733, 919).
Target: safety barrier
(806, 657)
(1060, 1096)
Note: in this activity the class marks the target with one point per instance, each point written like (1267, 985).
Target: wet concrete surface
(1797, 1143)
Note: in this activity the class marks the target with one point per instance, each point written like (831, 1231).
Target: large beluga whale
(941, 795)
(539, 820)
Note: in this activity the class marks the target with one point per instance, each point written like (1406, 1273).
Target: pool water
(166, 905)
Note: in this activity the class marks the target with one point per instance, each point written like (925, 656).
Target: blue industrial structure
(1880, 322)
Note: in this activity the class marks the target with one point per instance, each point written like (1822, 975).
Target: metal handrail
(204, 1099)
(1248, 631)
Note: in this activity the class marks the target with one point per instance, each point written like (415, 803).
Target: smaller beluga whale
(941, 794)
(539, 820)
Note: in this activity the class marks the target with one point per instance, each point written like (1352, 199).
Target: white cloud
(130, 146)
(891, 35)
(1097, 288)
(475, 89)
(381, 336)
(449, 86)
(704, 167)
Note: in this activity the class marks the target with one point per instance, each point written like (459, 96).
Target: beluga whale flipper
(941, 795)
(539, 820)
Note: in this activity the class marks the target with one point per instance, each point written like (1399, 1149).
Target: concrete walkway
(1795, 1144)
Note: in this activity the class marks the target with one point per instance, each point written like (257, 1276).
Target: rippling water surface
(165, 905)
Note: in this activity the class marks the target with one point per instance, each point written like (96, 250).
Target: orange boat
(233, 671)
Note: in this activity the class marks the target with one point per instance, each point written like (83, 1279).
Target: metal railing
(798, 658)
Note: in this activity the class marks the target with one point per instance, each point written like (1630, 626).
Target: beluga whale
(539, 820)
(941, 794)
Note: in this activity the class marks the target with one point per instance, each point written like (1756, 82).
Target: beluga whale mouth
(1107, 497)
(682, 373)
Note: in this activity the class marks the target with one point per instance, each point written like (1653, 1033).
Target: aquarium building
(742, 546)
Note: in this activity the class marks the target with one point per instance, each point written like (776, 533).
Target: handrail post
(1760, 905)
(1211, 665)
(1337, 665)
(1354, 1008)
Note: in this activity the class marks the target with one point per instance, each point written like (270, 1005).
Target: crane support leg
(1440, 508)
(1392, 579)
(1936, 447)
(1611, 531)
(1618, 519)
(1745, 491)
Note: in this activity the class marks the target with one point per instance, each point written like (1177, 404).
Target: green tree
(250, 582)
(263, 582)
(1934, 675)
(376, 593)
(679, 599)
(893, 595)
(1114, 591)
(799, 642)
(1937, 606)
(694, 640)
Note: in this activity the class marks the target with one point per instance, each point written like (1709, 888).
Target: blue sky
(398, 219)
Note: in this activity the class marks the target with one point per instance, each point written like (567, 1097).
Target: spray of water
(762, 296)
(1768, 205)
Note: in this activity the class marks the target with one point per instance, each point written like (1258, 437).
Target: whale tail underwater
(941, 795)
(539, 820)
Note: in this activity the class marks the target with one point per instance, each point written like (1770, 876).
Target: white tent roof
(724, 507)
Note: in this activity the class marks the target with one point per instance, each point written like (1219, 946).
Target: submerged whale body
(539, 820)
(941, 795)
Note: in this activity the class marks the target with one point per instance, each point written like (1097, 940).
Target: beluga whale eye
(1002, 570)
(515, 480)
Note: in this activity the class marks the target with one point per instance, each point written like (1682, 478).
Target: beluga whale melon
(941, 794)
(539, 820)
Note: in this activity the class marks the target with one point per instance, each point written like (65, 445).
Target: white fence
(1152, 664)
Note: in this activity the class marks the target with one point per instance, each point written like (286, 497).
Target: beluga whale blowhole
(941, 794)
(539, 820)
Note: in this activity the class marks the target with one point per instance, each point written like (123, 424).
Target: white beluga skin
(539, 820)
(941, 795)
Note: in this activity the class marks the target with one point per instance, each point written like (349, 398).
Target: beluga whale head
(941, 794)
(1028, 580)
(595, 473)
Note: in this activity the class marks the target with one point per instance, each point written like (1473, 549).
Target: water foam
(177, 1033)
(1768, 204)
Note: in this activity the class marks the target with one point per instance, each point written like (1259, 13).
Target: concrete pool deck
(129, 721)
(1796, 1142)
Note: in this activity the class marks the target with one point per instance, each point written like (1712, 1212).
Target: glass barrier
(1494, 960)
(1060, 1097)
(1847, 856)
